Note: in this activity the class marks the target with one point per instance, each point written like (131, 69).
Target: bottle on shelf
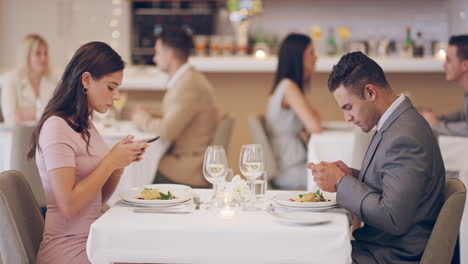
(418, 45)
(331, 43)
(316, 36)
(408, 48)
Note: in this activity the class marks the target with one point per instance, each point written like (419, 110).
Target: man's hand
(326, 175)
(343, 167)
(430, 117)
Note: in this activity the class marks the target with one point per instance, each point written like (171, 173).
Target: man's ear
(86, 80)
(465, 65)
(172, 53)
(370, 92)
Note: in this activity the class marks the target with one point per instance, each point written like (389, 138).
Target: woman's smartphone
(152, 140)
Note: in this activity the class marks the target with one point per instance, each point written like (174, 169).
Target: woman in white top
(290, 117)
(26, 90)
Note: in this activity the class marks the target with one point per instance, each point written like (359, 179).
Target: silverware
(159, 211)
(197, 202)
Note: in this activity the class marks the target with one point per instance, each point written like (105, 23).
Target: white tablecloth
(333, 145)
(201, 237)
(137, 174)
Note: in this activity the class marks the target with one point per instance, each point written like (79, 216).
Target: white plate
(314, 209)
(157, 205)
(181, 192)
(302, 218)
(284, 200)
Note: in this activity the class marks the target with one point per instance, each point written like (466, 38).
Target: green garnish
(319, 194)
(167, 196)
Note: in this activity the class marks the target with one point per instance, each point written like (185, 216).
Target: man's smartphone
(152, 140)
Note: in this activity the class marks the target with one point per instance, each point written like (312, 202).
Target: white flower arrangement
(236, 189)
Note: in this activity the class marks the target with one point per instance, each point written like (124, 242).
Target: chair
(21, 222)
(259, 136)
(20, 147)
(223, 132)
(441, 244)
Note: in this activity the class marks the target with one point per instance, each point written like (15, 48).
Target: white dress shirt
(178, 74)
(389, 111)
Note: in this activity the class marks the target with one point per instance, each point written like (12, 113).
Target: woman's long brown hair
(69, 100)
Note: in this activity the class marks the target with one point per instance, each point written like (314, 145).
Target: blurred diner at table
(189, 111)
(456, 69)
(27, 89)
(291, 118)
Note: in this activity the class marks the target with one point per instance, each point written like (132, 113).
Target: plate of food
(158, 194)
(305, 199)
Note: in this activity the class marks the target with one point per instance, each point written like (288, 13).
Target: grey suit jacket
(399, 191)
(455, 124)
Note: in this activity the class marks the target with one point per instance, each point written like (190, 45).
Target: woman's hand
(126, 152)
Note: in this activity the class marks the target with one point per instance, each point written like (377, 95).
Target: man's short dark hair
(354, 71)
(178, 39)
(461, 42)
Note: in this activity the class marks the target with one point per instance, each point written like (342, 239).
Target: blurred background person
(290, 117)
(456, 69)
(189, 112)
(27, 90)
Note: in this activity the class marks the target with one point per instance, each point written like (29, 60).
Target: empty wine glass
(215, 167)
(251, 165)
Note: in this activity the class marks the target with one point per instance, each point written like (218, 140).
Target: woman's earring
(85, 91)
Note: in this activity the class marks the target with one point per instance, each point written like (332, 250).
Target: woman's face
(102, 92)
(309, 61)
(39, 59)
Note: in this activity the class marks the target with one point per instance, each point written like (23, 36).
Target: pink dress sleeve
(57, 145)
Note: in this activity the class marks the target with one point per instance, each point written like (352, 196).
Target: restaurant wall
(67, 24)
(458, 14)
(367, 19)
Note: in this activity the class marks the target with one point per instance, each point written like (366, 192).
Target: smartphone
(153, 139)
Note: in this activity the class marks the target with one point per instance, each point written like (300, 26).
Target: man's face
(161, 56)
(360, 111)
(453, 66)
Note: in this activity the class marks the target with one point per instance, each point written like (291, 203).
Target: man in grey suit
(456, 69)
(400, 189)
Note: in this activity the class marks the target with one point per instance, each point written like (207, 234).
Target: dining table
(201, 236)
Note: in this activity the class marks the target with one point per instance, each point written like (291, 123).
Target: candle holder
(226, 207)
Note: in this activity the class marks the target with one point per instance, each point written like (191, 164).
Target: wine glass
(251, 165)
(215, 167)
(119, 104)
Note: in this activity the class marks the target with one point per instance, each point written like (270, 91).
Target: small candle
(226, 213)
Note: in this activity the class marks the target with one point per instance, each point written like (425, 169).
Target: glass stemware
(251, 165)
(215, 168)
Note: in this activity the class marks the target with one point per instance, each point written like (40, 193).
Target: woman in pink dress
(78, 171)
